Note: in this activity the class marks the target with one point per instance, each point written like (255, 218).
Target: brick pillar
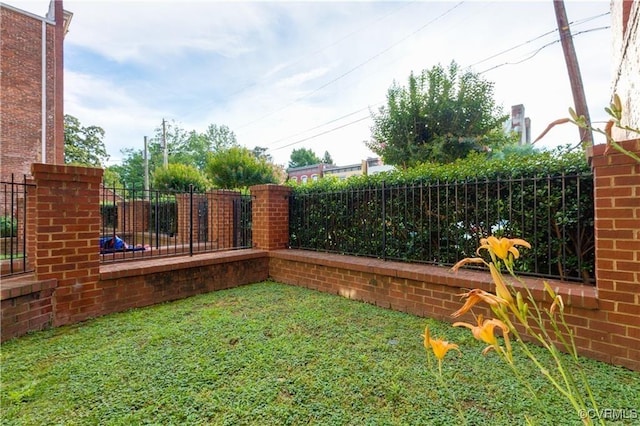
(31, 225)
(617, 245)
(221, 219)
(270, 213)
(67, 227)
(188, 214)
(133, 218)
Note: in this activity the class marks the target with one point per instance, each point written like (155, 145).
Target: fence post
(67, 229)
(270, 216)
(617, 240)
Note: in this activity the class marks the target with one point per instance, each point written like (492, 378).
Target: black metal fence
(441, 223)
(13, 228)
(138, 223)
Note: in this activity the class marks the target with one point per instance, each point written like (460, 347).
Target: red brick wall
(26, 307)
(129, 285)
(605, 318)
(67, 228)
(617, 232)
(218, 218)
(133, 217)
(221, 218)
(428, 291)
(270, 216)
(21, 94)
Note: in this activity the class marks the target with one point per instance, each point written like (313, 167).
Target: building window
(304, 178)
(314, 177)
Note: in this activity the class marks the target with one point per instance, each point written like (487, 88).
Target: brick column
(133, 218)
(188, 215)
(67, 227)
(221, 218)
(617, 245)
(270, 216)
(31, 225)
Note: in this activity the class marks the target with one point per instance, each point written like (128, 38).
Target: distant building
(369, 166)
(520, 124)
(31, 77)
(625, 23)
(305, 174)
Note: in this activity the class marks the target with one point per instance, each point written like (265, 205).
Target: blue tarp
(114, 243)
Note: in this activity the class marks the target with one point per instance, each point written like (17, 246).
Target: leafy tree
(131, 170)
(261, 153)
(442, 114)
(111, 177)
(192, 150)
(237, 167)
(83, 145)
(179, 177)
(303, 157)
(220, 137)
(326, 159)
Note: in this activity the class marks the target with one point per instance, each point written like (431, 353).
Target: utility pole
(575, 78)
(164, 144)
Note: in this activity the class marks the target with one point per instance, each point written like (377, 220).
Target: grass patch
(271, 354)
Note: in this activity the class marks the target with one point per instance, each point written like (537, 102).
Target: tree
(443, 114)
(326, 159)
(111, 177)
(261, 153)
(83, 145)
(237, 167)
(220, 137)
(179, 177)
(303, 157)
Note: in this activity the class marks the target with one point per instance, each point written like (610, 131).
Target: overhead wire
(306, 95)
(542, 48)
(532, 55)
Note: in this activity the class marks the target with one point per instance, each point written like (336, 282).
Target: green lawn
(272, 354)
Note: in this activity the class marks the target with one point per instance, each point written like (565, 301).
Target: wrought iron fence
(13, 226)
(441, 223)
(138, 223)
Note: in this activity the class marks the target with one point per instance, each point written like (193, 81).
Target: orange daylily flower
(484, 331)
(438, 346)
(476, 295)
(501, 287)
(502, 247)
(466, 260)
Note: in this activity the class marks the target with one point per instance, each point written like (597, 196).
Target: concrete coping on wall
(573, 294)
(23, 285)
(164, 264)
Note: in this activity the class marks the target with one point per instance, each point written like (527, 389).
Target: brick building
(625, 23)
(31, 88)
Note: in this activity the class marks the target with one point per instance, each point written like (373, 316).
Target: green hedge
(438, 213)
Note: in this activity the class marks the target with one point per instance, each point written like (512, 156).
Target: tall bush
(438, 213)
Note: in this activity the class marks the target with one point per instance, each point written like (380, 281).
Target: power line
(482, 72)
(320, 125)
(542, 48)
(354, 68)
(322, 133)
(575, 23)
(532, 55)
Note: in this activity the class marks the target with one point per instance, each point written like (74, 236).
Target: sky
(287, 75)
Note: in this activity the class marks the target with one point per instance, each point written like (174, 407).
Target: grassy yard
(270, 354)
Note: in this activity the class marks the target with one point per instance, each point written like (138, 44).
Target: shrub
(8, 227)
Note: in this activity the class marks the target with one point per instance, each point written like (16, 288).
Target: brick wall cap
(632, 145)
